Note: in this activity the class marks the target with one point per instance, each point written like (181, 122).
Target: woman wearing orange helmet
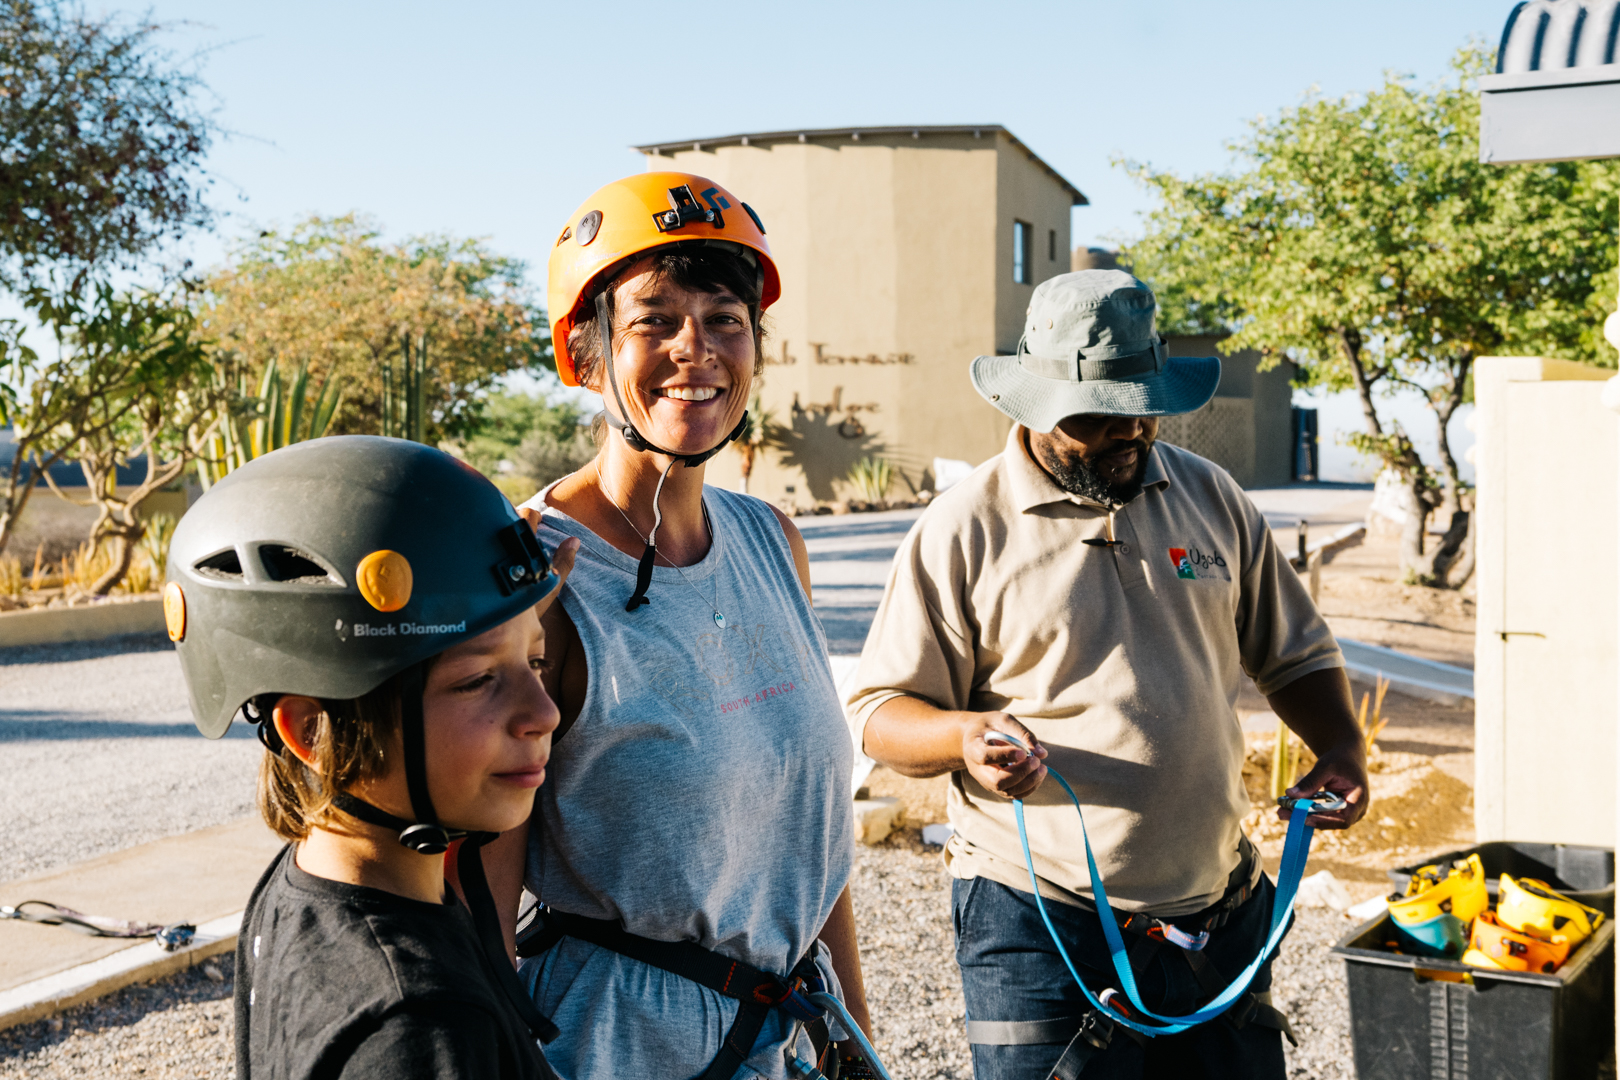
(693, 848)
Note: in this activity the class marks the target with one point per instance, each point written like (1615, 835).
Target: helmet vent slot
(293, 567)
(225, 565)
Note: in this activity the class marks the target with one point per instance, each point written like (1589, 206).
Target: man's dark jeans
(1012, 971)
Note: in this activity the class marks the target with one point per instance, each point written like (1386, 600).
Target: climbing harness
(1432, 918)
(1136, 1016)
(803, 994)
(170, 938)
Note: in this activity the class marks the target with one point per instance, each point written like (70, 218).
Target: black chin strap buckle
(426, 839)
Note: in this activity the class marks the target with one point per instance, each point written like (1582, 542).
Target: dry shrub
(142, 576)
(40, 579)
(11, 576)
(81, 569)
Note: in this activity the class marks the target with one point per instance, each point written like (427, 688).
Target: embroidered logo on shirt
(1192, 563)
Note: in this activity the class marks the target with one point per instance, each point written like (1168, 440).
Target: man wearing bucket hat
(1098, 596)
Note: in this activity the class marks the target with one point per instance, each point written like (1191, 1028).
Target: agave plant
(872, 477)
(155, 542)
(279, 416)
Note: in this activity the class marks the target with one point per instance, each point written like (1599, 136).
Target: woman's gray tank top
(702, 795)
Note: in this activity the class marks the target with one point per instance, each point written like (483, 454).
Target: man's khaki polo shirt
(1125, 662)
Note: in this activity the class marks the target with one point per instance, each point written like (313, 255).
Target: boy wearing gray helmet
(371, 605)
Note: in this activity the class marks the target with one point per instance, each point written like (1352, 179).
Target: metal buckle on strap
(797, 1004)
(1180, 938)
(1321, 802)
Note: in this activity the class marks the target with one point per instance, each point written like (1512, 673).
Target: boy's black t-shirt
(342, 981)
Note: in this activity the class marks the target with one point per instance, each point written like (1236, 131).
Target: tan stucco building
(904, 253)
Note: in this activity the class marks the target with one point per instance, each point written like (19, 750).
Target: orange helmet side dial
(635, 215)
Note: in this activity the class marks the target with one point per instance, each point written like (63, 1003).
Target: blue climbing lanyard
(1295, 850)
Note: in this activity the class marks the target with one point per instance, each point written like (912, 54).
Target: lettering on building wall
(823, 357)
(784, 358)
(850, 427)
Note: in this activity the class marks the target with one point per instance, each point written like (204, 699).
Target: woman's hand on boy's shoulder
(562, 559)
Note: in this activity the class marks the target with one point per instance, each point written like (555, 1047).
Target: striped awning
(1552, 35)
(1556, 92)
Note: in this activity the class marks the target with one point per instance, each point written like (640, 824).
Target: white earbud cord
(650, 538)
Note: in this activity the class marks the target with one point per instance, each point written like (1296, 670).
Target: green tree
(332, 294)
(525, 441)
(1363, 239)
(101, 140)
(127, 376)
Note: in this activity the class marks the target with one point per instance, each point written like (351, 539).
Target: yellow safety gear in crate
(1535, 908)
(1493, 945)
(1432, 918)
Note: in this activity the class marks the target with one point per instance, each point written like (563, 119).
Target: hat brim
(1185, 384)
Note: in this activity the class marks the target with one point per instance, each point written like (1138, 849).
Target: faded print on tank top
(703, 793)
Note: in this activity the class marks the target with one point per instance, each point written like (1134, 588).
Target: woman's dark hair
(691, 266)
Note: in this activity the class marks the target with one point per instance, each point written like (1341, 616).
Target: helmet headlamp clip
(684, 209)
(527, 563)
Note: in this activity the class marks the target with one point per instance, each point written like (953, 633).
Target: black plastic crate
(1415, 1017)
(1584, 874)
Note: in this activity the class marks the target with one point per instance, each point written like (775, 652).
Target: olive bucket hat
(1089, 346)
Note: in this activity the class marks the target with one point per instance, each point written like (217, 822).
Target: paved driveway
(98, 753)
(849, 565)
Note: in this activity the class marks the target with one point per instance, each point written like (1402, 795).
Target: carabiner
(1323, 802)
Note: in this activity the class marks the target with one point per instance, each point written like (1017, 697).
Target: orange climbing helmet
(635, 215)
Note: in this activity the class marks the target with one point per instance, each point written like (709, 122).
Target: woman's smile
(695, 394)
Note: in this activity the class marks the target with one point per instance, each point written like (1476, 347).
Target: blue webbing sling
(1296, 849)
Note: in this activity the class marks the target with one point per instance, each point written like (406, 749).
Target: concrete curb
(92, 622)
(138, 963)
(1444, 684)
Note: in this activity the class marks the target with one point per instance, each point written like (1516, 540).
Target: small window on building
(1023, 240)
(1051, 245)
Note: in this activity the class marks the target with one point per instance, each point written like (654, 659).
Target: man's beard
(1078, 476)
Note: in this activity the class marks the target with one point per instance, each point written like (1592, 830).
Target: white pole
(1611, 398)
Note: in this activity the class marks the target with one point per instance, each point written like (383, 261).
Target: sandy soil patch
(1363, 597)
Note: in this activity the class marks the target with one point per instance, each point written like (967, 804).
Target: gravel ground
(99, 754)
(181, 1026)
(178, 1028)
(902, 902)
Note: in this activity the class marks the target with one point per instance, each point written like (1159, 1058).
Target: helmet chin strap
(425, 835)
(637, 442)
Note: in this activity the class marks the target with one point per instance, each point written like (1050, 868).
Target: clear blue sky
(495, 119)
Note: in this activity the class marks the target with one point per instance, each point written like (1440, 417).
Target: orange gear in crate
(633, 216)
(1535, 908)
(1432, 918)
(1492, 945)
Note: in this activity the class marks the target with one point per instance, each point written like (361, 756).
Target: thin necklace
(719, 616)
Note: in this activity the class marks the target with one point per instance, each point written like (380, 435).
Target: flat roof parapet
(856, 134)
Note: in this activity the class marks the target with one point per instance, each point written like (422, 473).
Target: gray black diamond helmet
(328, 566)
